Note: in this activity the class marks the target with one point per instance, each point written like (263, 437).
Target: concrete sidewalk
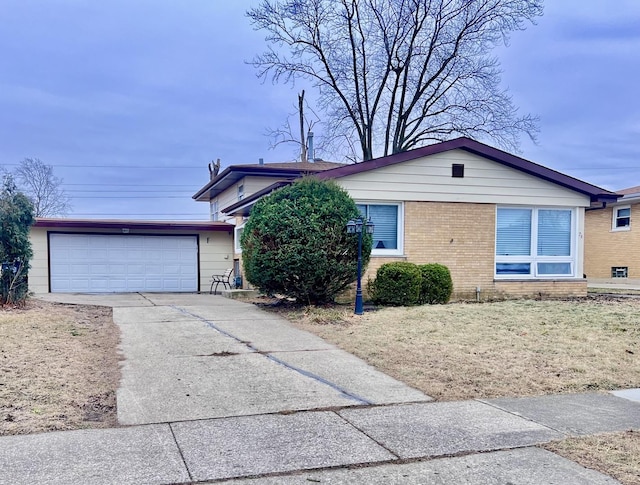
(470, 442)
(217, 390)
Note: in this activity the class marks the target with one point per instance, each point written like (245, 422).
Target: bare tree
(286, 133)
(398, 74)
(44, 189)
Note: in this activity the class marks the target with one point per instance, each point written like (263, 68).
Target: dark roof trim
(486, 151)
(284, 170)
(130, 224)
(243, 207)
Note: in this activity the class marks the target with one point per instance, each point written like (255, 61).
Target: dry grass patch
(512, 348)
(59, 368)
(613, 291)
(615, 454)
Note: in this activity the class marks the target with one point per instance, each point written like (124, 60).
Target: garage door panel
(121, 263)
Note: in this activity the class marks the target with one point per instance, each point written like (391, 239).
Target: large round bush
(295, 242)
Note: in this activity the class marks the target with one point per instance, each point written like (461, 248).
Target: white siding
(216, 255)
(429, 179)
(251, 186)
(39, 272)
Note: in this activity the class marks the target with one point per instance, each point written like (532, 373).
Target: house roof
(597, 194)
(132, 224)
(234, 173)
(629, 195)
(630, 190)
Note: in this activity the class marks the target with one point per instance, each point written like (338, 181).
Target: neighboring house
(105, 256)
(503, 225)
(612, 246)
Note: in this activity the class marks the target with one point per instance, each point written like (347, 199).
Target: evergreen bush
(295, 242)
(396, 284)
(16, 218)
(437, 285)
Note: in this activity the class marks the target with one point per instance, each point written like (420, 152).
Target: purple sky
(129, 100)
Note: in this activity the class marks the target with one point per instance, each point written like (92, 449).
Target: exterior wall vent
(619, 271)
(457, 170)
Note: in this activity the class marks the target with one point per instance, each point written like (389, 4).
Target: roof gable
(595, 193)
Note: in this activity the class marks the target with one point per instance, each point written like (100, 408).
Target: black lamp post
(356, 227)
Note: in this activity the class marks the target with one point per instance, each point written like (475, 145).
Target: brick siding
(604, 248)
(462, 237)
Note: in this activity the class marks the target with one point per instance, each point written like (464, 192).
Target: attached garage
(116, 263)
(79, 256)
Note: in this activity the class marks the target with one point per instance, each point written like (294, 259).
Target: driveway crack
(305, 373)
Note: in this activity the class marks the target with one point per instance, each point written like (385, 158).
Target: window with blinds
(386, 219)
(535, 242)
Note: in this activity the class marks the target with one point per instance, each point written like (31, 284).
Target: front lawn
(59, 368)
(512, 348)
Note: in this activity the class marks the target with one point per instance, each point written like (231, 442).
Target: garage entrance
(110, 263)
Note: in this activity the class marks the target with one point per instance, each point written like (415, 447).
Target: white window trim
(400, 229)
(615, 218)
(236, 238)
(532, 258)
(240, 191)
(214, 215)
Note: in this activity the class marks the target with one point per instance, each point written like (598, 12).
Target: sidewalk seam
(367, 435)
(184, 462)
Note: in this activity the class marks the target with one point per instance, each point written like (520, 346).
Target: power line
(115, 184)
(175, 167)
(137, 214)
(114, 191)
(129, 197)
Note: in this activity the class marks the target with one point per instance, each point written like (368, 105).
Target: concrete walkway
(217, 390)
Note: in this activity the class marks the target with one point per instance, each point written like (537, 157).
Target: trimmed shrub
(437, 285)
(295, 242)
(396, 284)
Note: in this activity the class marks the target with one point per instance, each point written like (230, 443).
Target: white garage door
(94, 263)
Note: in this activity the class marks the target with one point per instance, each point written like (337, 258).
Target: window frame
(399, 251)
(237, 234)
(240, 191)
(614, 226)
(214, 215)
(533, 259)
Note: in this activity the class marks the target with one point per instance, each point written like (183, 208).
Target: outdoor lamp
(355, 227)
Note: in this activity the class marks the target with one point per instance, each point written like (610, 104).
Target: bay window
(535, 242)
(387, 219)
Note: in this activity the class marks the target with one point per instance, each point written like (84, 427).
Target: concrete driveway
(191, 356)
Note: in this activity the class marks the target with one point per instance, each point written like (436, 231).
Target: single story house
(102, 256)
(505, 226)
(612, 239)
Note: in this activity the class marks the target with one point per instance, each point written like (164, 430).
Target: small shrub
(396, 284)
(437, 285)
